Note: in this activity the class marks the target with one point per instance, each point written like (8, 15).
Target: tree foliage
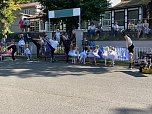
(90, 9)
(7, 14)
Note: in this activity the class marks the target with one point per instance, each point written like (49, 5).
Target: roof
(35, 16)
(28, 5)
(130, 3)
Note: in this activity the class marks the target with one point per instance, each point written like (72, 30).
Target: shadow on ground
(132, 111)
(134, 74)
(24, 69)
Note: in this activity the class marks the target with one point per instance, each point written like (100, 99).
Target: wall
(122, 43)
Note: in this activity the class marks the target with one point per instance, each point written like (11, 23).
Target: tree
(7, 16)
(90, 9)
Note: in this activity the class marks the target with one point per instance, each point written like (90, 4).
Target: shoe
(130, 68)
(28, 59)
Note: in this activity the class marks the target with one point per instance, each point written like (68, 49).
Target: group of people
(90, 52)
(141, 28)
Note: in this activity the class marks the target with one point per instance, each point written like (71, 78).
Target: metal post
(79, 22)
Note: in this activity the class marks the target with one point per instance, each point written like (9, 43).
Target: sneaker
(28, 59)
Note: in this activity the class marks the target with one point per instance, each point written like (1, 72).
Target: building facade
(31, 11)
(124, 12)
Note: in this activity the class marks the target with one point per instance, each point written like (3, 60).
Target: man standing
(130, 46)
(57, 35)
(66, 43)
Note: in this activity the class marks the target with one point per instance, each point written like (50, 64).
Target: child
(112, 56)
(90, 54)
(95, 53)
(21, 44)
(77, 53)
(28, 53)
(14, 49)
(83, 56)
(73, 54)
(105, 55)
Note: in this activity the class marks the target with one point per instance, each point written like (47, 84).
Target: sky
(115, 2)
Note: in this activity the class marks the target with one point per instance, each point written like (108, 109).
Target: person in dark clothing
(37, 42)
(53, 44)
(67, 44)
(14, 49)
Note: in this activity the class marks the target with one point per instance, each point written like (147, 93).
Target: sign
(64, 13)
(121, 54)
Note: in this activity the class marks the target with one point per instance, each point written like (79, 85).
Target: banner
(121, 54)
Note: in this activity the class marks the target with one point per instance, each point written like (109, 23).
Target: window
(106, 21)
(120, 18)
(34, 26)
(133, 15)
(27, 11)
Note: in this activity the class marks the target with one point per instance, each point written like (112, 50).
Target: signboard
(121, 54)
(64, 13)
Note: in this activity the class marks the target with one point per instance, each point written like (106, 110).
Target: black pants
(67, 55)
(52, 52)
(13, 57)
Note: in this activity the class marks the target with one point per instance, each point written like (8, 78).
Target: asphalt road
(59, 88)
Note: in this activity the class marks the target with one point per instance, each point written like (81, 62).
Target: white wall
(115, 2)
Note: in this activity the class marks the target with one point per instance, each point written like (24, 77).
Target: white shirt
(92, 27)
(27, 22)
(27, 51)
(57, 34)
(53, 43)
(128, 42)
(21, 42)
(116, 27)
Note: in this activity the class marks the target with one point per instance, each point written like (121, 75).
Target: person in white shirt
(28, 52)
(92, 29)
(21, 44)
(28, 25)
(115, 29)
(57, 35)
(130, 46)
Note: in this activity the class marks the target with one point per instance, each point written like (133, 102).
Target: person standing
(28, 52)
(21, 44)
(53, 44)
(14, 49)
(115, 29)
(57, 35)
(3, 41)
(130, 46)
(139, 28)
(21, 25)
(67, 44)
(28, 23)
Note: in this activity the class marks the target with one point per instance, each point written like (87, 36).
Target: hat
(97, 46)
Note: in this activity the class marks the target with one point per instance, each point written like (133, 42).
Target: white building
(114, 2)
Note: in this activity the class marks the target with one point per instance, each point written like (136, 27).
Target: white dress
(113, 53)
(105, 54)
(72, 53)
(91, 55)
(83, 54)
(95, 53)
